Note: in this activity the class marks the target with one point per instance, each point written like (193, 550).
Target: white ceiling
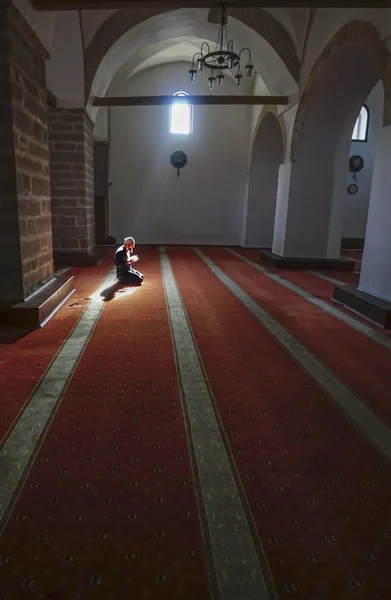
(174, 37)
(180, 49)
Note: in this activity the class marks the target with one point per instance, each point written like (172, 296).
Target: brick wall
(72, 180)
(26, 258)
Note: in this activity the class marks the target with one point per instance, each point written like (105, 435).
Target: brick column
(72, 181)
(26, 258)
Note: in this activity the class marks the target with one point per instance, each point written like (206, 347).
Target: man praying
(124, 258)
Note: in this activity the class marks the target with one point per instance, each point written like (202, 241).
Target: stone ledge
(287, 262)
(369, 306)
(38, 308)
(78, 259)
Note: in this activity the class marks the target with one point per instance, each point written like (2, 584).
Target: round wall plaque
(352, 189)
(178, 160)
(356, 163)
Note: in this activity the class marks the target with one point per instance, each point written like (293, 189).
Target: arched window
(360, 131)
(181, 115)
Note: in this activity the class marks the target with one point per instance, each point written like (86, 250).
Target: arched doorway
(341, 81)
(267, 155)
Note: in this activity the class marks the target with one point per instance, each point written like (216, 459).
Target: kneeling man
(124, 258)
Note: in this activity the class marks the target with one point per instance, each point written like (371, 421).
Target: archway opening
(314, 226)
(204, 204)
(155, 56)
(356, 186)
(106, 54)
(267, 155)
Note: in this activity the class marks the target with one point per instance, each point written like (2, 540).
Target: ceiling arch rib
(178, 50)
(121, 22)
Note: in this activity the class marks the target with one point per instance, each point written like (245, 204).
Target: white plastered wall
(147, 198)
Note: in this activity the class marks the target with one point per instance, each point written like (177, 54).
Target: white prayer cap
(128, 239)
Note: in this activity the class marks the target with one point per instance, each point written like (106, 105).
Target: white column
(245, 211)
(375, 276)
(280, 221)
(338, 200)
(303, 210)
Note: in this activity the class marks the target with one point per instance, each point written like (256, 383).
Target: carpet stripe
(374, 428)
(24, 363)
(377, 336)
(238, 569)
(306, 470)
(327, 278)
(109, 509)
(19, 449)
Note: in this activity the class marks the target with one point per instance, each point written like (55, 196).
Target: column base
(287, 262)
(39, 307)
(79, 259)
(369, 306)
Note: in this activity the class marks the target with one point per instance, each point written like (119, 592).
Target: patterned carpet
(212, 434)
(23, 364)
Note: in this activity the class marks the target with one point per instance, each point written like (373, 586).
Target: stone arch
(356, 32)
(123, 20)
(266, 156)
(341, 79)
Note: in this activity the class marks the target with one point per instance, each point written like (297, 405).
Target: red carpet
(316, 286)
(353, 357)
(355, 255)
(109, 507)
(318, 492)
(23, 363)
(324, 290)
(320, 288)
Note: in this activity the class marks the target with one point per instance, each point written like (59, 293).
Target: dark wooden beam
(198, 100)
(173, 4)
(135, 4)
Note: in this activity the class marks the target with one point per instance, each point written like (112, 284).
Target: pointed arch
(271, 108)
(122, 21)
(266, 157)
(360, 33)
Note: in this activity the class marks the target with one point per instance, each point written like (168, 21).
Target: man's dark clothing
(125, 273)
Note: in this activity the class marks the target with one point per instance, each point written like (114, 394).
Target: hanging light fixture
(222, 58)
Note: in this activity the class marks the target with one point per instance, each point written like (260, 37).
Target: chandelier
(222, 58)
